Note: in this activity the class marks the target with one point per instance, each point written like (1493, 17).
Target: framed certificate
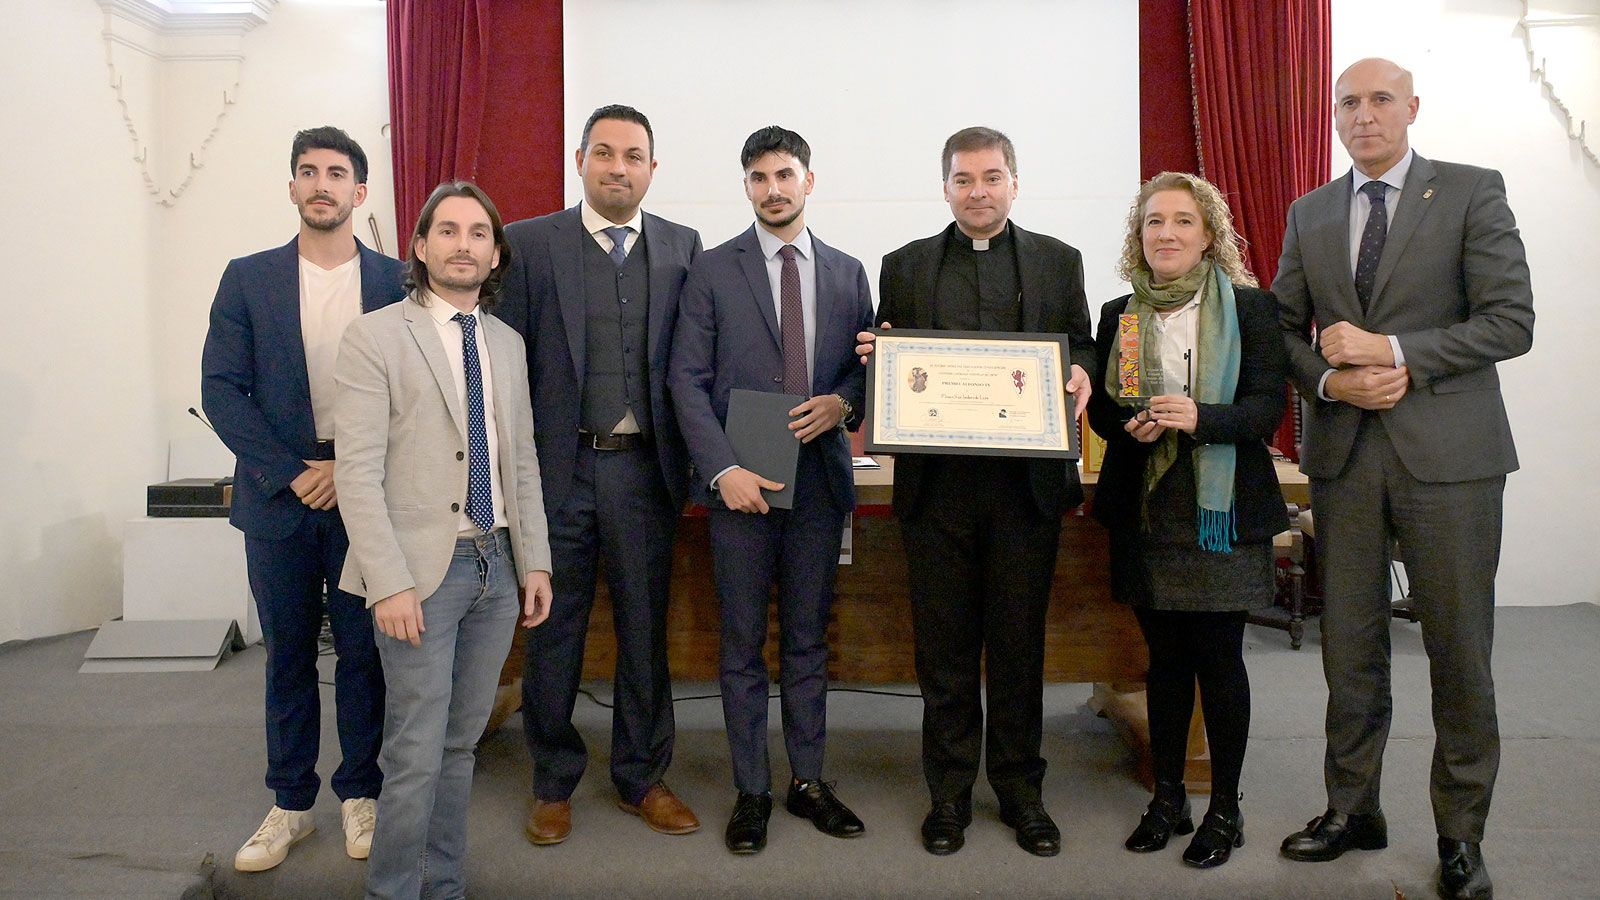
(969, 392)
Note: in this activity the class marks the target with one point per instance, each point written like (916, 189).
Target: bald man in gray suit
(1413, 275)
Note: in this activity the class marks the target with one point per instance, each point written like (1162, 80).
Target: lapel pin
(1427, 193)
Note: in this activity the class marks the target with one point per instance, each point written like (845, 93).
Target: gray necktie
(619, 243)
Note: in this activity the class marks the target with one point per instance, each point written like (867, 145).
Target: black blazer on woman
(1248, 421)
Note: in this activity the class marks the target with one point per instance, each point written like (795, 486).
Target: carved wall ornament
(1562, 38)
(174, 68)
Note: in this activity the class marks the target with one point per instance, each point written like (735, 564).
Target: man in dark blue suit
(774, 310)
(594, 292)
(267, 384)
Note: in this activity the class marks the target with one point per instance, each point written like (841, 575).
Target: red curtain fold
(1166, 91)
(475, 92)
(1264, 114)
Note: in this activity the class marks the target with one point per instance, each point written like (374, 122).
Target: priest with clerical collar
(981, 532)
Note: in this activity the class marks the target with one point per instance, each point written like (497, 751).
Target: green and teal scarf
(1216, 377)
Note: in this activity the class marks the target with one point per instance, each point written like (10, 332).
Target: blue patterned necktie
(792, 326)
(1372, 238)
(619, 243)
(480, 498)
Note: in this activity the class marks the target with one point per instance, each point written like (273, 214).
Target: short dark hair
(775, 139)
(417, 270)
(327, 137)
(621, 113)
(977, 138)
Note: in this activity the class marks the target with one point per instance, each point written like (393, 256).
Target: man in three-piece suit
(981, 532)
(774, 310)
(1413, 275)
(594, 292)
(439, 488)
(267, 384)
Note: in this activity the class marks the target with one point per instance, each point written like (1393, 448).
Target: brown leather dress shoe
(661, 809)
(549, 822)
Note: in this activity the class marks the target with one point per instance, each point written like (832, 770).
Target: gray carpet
(144, 785)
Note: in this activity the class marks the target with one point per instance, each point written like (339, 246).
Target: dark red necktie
(792, 327)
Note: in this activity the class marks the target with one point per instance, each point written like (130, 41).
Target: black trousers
(618, 518)
(1208, 647)
(981, 557)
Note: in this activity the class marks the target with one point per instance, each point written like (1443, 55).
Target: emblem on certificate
(969, 392)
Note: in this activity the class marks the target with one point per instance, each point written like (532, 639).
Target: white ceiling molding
(1562, 38)
(174, 67)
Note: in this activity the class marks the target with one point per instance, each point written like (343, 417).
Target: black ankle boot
(1167, 814)
(1219, 834)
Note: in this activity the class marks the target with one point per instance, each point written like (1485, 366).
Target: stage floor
(144, 785)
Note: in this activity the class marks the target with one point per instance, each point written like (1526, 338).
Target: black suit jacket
(543, 299)
(1248, 422)
(1050, 275)
(728, 338)
(253, 382)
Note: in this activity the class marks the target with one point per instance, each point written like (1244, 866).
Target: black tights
(1208, 647)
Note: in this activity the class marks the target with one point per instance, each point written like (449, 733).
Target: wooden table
(1088, 637)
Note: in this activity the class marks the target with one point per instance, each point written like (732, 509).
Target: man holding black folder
(981, 532)
(774, 311)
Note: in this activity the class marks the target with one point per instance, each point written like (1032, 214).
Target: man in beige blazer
(438, 484)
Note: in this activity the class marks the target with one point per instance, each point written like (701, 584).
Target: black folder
(758, 429)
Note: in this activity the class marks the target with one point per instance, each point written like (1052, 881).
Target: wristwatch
(845, 409)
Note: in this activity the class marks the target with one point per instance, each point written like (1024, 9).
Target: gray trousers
(1449, 535)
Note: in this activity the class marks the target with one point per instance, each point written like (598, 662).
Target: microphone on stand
(227, 479)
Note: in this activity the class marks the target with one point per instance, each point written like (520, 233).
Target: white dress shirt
(450, 337)
(1394, 182)
(1178, 334)
(330, 299)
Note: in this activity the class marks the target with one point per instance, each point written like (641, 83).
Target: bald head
(1373, 108)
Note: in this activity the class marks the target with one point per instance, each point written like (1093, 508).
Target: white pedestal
(176, 568)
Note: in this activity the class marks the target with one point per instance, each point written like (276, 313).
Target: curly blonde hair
(1225, 242)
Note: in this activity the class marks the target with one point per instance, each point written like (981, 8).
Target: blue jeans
(439, 697)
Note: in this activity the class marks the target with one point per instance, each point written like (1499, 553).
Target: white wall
(1480, 105)
(108, 293)
(875, 88)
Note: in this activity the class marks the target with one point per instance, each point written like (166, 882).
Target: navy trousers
(287, 577)
(798, 549)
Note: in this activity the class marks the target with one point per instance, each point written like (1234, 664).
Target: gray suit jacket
(402, 471)
(1453, 288)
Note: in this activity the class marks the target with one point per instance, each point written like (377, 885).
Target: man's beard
(341, 214)
(786, 221)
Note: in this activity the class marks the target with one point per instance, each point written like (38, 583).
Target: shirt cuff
(1322, 384)
(717, 476)
(1399, 355)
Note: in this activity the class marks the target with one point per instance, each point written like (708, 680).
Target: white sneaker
(360, 817)
(270, 844)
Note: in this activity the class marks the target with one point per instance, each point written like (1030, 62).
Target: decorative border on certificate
(969, 392)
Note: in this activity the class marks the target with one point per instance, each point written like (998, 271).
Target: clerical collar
(980, 245)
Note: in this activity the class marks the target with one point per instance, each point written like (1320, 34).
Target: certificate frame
(971, 374)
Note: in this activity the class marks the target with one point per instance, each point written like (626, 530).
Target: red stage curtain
(475, 92)
(1264, 113)
(1166, 91)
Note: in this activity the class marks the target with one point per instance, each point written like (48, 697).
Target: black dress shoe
(816, 801)
(1167, 814)
(1332, 833)
(944, 830)
(1036, 831)
(1214, 842)
(747, 827)
(1462, 874)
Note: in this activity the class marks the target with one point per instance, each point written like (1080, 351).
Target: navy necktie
(480, 497)
(792, 327)
(1372, 238)
(619, 243)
